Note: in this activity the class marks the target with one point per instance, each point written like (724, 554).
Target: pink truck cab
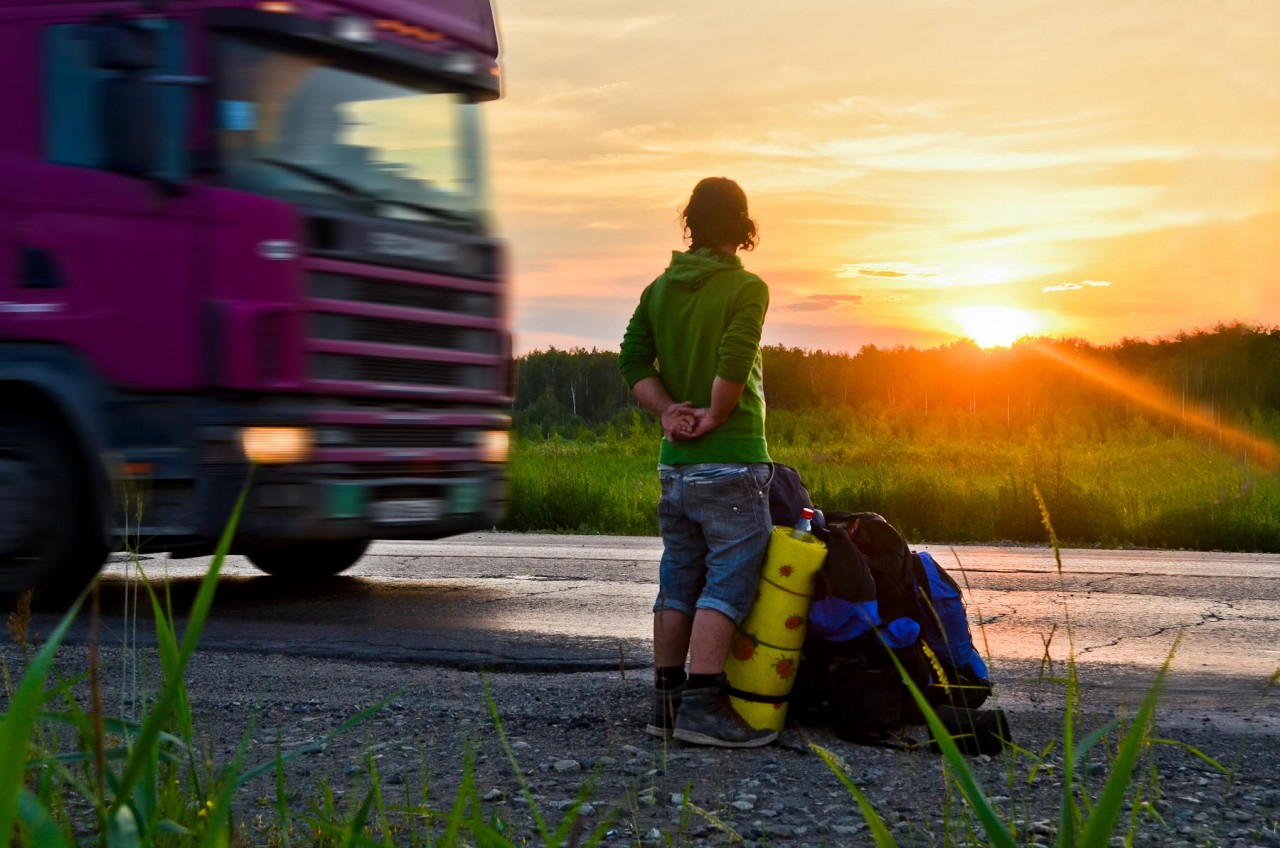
(246, 244)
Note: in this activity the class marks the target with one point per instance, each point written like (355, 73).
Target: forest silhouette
(1223, 383)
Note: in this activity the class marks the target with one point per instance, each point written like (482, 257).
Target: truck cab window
(298, 127)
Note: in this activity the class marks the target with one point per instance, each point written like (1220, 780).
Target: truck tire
(50, 537)
(310, 559)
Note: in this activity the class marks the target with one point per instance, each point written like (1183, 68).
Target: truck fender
(61, 386)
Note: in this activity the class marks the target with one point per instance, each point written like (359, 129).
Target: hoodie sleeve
(639, 352)
(741, 339)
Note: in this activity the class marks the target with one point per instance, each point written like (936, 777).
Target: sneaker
(666, 704)
(707, 718)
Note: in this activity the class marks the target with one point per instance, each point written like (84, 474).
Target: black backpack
(894, 609)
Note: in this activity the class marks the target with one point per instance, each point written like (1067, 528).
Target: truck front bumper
(287, 504)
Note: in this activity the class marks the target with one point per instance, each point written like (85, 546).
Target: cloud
(888, 269)
(822, 302)
(806, 306)
(1077, 286)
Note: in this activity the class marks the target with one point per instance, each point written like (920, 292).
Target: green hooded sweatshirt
(701, 319)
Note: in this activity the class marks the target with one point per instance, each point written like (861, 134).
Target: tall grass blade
(881, 834)
(466, 791)
(600, 832)
(1102, 821)
(167, 648)
(1069, 812)
(218, 808)
(997, 833)
(351, 723)
(1193, 751)
(122, 829)
(379, 806)
(18, 722)
(282, 801)
(1087, 744)
(174, 686)
(43, 829)
(714, 820)
(354, 832)
(515, 765)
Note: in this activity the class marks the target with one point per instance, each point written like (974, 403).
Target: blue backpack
(944, 626)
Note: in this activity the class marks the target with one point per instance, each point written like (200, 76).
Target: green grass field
(1135, 485)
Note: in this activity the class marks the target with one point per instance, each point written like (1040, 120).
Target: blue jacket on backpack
(943, 620)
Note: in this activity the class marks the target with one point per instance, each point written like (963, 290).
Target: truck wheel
(49, 536)
(310, 559)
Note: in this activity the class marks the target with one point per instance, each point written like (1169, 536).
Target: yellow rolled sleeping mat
(766, 649)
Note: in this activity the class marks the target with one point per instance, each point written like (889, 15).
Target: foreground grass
(1135, 486)
(315, 800)
(70, 774)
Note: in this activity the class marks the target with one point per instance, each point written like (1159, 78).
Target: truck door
(105, 222)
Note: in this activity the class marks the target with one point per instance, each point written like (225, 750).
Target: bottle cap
(806, 512)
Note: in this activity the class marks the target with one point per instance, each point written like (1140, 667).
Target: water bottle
(803, 530)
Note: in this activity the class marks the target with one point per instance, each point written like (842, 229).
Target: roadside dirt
(579, 737)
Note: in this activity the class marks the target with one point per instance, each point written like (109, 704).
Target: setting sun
(995, 326)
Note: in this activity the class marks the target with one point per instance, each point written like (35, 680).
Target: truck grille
(377, 369)
(394, 334)
(345, 287)
(359, 328)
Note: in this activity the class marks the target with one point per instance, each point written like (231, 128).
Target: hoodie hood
(691, 270)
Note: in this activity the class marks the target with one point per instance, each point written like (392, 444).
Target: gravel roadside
(581, 735)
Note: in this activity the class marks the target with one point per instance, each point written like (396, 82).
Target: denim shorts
(715, 527)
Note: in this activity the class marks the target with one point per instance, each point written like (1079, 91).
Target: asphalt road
(573, 603)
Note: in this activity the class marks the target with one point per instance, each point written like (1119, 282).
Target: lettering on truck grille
(412, 247)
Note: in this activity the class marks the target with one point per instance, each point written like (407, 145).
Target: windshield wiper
(351, 189)
(347, 187)
(427, 209)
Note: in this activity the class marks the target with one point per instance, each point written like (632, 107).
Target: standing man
(691, 356)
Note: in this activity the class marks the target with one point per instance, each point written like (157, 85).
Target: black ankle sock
(703, 681)
(671, 677)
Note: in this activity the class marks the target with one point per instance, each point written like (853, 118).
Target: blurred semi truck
(246, 243)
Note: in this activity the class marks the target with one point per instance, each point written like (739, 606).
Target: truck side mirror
(133, 115)
(131, 134)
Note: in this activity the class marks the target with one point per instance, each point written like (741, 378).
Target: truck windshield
(297, 127)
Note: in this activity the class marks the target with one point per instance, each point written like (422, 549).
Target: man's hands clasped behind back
(682, 422)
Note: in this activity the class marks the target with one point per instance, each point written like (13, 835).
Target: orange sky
(1096, 169)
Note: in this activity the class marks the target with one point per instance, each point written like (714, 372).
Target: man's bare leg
(709, 641)
(671, 632)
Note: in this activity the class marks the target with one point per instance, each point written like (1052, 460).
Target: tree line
(1227, 374)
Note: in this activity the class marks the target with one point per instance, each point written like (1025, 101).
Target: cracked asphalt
(540, 603)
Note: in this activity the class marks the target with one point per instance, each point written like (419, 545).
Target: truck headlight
(276, 445)
(349, 28)
(494, 446)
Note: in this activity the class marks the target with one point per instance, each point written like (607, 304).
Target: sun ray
(1234, 438)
